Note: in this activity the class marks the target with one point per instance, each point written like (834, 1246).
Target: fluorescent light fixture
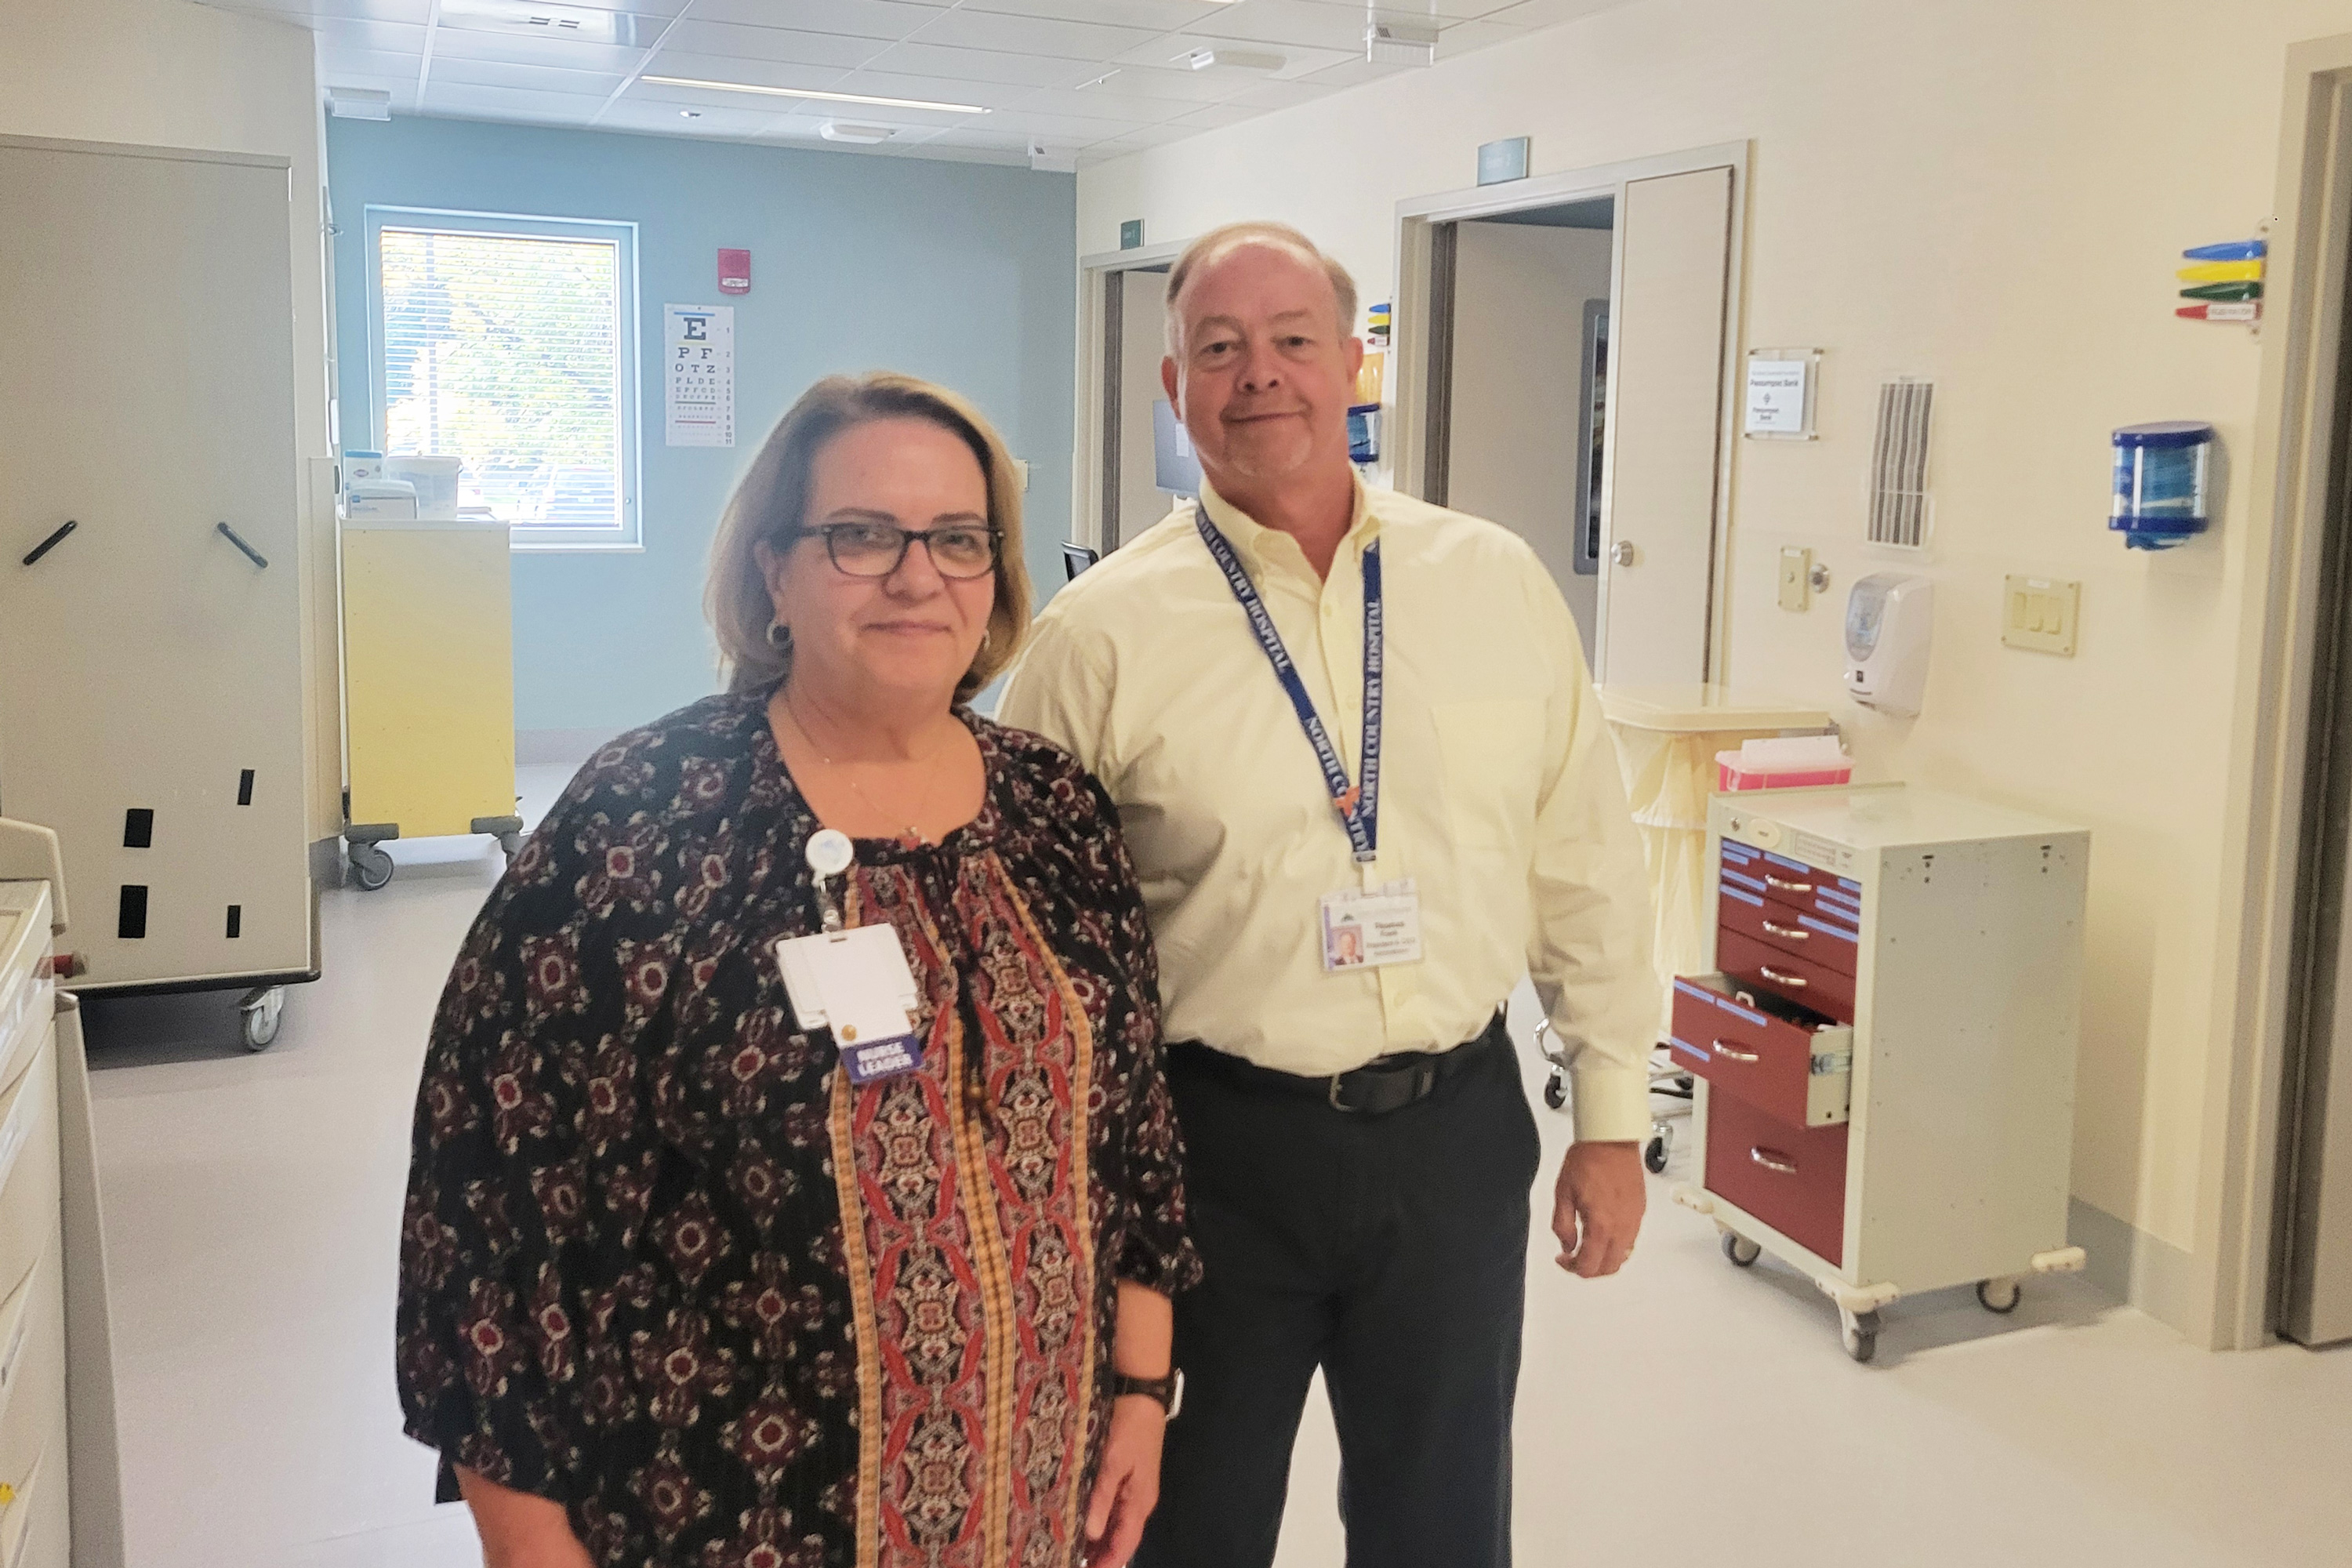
(864, 135)
(359, 103)
(812, 93)
(1400, 40)
(1231, 60)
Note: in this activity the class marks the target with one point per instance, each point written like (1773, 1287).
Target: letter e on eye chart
(698, 374)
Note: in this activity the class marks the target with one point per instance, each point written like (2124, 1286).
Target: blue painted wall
(957, 272)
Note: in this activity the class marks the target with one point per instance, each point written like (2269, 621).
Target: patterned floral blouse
(663, 1263)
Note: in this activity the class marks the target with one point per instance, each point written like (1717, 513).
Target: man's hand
(1126, 1488)
(1597, 1208)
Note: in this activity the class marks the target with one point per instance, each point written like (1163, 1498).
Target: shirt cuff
(1611, 1102)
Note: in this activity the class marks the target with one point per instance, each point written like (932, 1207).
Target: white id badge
(856, 983)
(1378, 925)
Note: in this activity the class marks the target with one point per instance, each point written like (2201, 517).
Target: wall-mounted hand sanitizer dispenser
(1888, 619)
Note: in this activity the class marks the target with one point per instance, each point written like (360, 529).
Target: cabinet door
(147, 395)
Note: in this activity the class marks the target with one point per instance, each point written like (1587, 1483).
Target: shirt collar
(1257, 543)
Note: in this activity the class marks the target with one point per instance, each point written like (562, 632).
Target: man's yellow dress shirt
(1499, 794)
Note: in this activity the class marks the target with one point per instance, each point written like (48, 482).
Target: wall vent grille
(1898, 464)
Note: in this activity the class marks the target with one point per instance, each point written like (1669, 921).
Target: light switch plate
(1796, 577)
(2041, 613)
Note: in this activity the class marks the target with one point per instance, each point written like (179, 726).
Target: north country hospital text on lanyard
(1365, 928)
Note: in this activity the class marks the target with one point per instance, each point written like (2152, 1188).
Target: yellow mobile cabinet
(429, 687)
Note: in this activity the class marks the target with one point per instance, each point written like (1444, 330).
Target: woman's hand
(521, 1530)
(1128, 1486)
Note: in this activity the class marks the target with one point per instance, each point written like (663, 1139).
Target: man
(1366, 783)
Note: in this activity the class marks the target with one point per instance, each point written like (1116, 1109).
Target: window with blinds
(505, 342)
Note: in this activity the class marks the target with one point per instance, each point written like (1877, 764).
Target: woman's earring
(780, 637)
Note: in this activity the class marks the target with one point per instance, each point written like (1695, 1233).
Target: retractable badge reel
(854, 982)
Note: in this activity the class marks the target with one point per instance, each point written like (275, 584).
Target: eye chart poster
(698, 374)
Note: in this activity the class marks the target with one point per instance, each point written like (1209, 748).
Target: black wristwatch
(1169, 1391)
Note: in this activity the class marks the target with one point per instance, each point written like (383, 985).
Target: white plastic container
(435, 479)
(380, 501)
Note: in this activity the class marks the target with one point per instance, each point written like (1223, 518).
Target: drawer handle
(1773, 1160)
(1786, 885)
(1726, 1049)
(1791, 933)
(1769, 972)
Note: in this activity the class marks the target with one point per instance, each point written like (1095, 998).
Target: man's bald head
(1219, 243)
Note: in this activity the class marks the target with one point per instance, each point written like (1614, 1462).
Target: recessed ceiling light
(1231, 60)
(864, 135)
(812, 93)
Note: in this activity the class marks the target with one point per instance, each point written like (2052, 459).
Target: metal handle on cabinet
(51, 542)
(1785, 886)
(1769, 972)
(1791, 933)
(250, 553)
(1622, 552)
(1772, 1160)
(1726, 1049)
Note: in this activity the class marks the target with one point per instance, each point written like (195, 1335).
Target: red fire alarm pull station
(734, 272)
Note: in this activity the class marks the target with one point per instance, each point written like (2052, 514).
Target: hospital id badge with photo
(1364, 929)
(856, 983)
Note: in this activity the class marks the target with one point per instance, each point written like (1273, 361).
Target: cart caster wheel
(1654, 1155)
(258, 1015)
(1555, 1091)
(371, 867)
(1859, 1331)
(2000, 1295)
(1742, 1252)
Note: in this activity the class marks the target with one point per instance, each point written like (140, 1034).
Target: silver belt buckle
(1337, 1103)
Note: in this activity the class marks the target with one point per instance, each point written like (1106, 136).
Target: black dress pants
(1391, 1251)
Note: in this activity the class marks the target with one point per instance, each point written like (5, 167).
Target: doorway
(1132, 460)
(1582, 403)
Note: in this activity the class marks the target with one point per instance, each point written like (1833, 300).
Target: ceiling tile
(397, 38)
(1214, 116)
(703, 67)
(1444, 10)
(629, 112)
(1179, 83)
(1034, 34)
(640, 7)
(1101, 103)
(416, 12)
(982, 65)
(533, 79)
(1464, 37)
(1267, 96)
(1156, 15)
(840, 51)
(1550, 13)
(395, 74)
(464, 44)
(891, 19)
(1301, 22)
(1168, 52)
(471, 102)
(994, 95)
(1074, 129)
(1355, 73)
(509, 18)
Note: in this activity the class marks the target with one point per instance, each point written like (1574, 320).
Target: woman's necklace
(912, 835)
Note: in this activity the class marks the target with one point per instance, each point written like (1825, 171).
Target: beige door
(1143, 344)
(1666, 398)
(147, 396)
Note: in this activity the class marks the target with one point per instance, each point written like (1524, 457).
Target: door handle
(1622, 552)
(51, 542)
(250, 553)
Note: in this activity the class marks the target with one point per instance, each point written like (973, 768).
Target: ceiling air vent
(1898, 464)
(1400, 40)
(579, 24)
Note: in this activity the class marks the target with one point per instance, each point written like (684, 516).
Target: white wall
(1518, 349)
(1994, 195)
(165, 73)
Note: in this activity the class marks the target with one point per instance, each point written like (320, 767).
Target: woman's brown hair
(771, 507)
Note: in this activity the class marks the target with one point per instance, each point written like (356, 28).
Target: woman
(674, 1288)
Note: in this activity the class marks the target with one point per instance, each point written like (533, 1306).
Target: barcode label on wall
(1898, 464)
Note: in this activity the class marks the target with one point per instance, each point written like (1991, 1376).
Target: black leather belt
(1379, 1087)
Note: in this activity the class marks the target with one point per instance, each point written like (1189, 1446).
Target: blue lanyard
(1359, 806)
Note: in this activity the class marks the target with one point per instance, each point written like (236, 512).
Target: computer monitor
(1076, 558)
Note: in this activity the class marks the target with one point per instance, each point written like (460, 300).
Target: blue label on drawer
(1733, 877)
(1828, 929)
(1743, 897)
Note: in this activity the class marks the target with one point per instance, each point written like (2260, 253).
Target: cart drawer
(1793, 1179)
(1807, 887)
(1799, 932)
(1790, 1067)
(1804, 981)
(29, 1195)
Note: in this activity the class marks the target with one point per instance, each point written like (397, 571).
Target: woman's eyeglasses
(962, 550)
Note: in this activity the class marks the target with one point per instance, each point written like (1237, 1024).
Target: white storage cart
(1885, 1042)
